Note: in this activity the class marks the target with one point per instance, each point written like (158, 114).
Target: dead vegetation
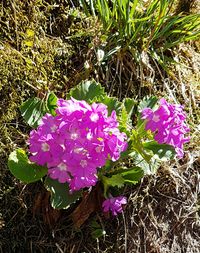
(44, 46)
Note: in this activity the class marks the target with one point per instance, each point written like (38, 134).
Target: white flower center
(45, 147)
(80, 151)
(62, 166)
(156, 118)
(54, 128)
(74, 135)
(83, 163)
(89, 136)
(94, 117)
(175, 132)
(98, 149)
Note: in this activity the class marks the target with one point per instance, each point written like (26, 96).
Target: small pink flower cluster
(114, 204)
(168, 124)
(77, 141)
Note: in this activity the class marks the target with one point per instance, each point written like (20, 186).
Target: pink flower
(43, 148)
(168, 125)
(114, 204)
(81, 182)
(59, 169)
(76, 142)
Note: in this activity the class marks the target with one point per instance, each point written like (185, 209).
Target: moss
(35, 54)
(43, 46)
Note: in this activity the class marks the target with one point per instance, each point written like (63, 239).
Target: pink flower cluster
(168, 124)
(77, 141)
(114, 204)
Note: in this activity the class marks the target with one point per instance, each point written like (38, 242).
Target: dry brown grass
(163, 211)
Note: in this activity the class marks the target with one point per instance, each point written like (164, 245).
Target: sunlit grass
(142, 28)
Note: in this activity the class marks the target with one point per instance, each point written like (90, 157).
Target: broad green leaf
(60, 195)
(23, 169)
(115, 180)
(52, 103)
(112, 104)
(162, 150)
(133, 176)
(87, 90)
(147, 102)
(33, 110)
(129, 105)
(149, 167)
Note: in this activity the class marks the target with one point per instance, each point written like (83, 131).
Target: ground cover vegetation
(133, 48)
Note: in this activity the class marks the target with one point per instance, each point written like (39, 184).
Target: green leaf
(33, 110)
(60, 195)
(91, 91)
(23, 169)
(83, 4)
(52, 103)
(137, 145)
(97, 230)
(162, 150)
(97, 233)
(94, 224)
(133, 176)
(149, 102)
(148, 167)
(124, 121)
(87, 90)
(112, 104)
(125, 115)
(129, 105)
(115, 180)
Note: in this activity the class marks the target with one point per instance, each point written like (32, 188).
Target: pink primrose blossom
(76, 142)
(168, 125)
(82, 182)
(114, 204)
